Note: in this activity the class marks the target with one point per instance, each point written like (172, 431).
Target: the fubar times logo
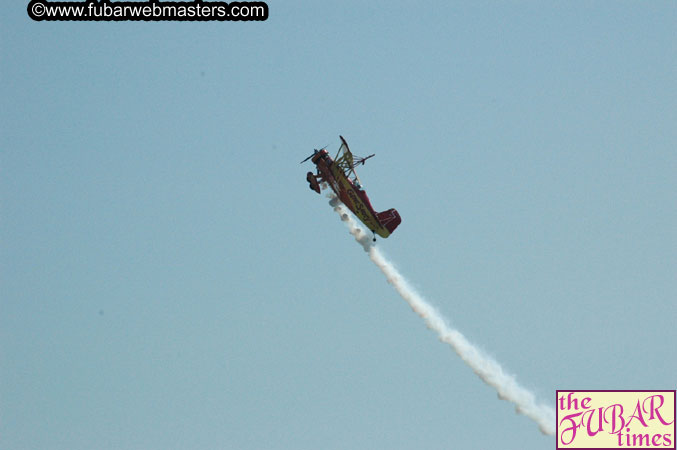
(615, 419)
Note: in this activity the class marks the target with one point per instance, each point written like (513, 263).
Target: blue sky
(169, 281)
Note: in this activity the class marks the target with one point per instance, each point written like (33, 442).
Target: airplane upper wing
(345, 161)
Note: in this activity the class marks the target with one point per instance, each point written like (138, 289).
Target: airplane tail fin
(390, 219)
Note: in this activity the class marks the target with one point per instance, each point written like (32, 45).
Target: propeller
(315, 152)
(308, 157)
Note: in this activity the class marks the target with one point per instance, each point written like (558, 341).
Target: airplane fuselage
(353, 197)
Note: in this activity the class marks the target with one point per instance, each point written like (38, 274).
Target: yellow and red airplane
(340, 175)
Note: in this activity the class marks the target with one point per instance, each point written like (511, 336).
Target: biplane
(340, 175)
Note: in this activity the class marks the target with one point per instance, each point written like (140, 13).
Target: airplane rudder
(390, 219)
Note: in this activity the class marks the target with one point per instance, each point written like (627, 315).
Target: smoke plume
(489, 371)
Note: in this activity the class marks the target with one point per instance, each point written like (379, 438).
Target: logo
(615, 419)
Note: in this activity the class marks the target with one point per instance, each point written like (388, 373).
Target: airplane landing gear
(312, 180)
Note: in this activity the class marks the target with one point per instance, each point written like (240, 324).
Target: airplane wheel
(312, 180)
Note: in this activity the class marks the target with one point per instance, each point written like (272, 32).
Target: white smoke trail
(483, 365)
